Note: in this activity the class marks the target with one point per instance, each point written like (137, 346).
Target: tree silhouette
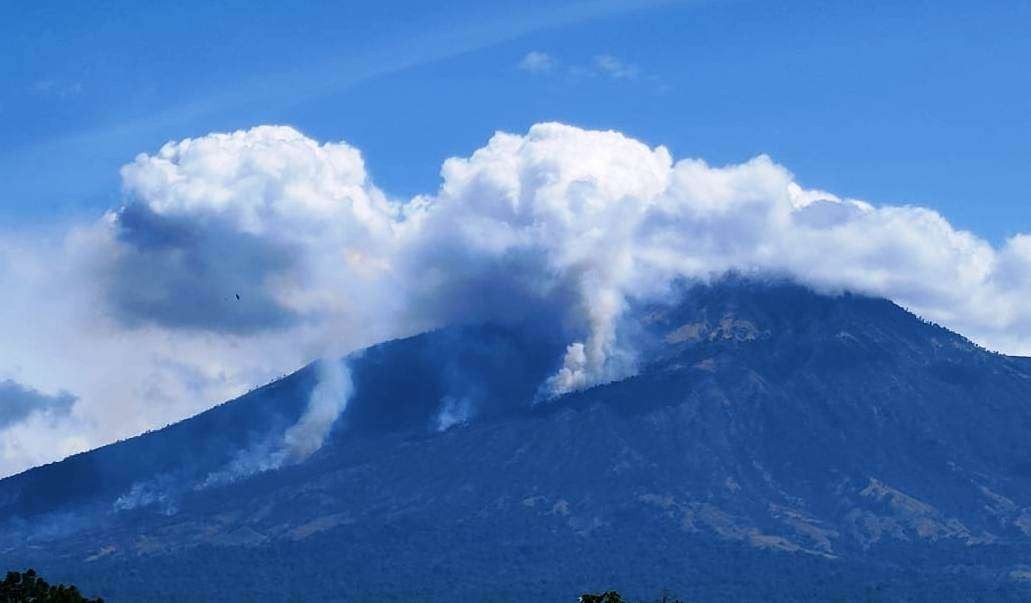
(20, 587)
(606, 597)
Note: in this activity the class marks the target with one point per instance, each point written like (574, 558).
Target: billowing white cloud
(266, 214)
(552, 216)
(138, 314)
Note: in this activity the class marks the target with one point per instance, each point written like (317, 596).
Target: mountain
(774, 444)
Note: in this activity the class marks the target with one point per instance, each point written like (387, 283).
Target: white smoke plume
(327, 402)
(453, 411)
(158, 492)
(238, 257)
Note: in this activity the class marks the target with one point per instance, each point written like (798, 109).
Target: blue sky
(919, 102)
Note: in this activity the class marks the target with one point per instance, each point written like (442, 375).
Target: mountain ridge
(765, 422)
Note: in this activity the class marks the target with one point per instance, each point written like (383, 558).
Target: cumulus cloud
(560, 224)
(265, 214)
(175, 272)
(137, 313)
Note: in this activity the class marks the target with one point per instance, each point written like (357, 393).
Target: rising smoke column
(326, 403)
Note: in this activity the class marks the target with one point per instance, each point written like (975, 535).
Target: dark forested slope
(775, 444)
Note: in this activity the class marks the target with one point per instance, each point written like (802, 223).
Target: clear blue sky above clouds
(916, 102)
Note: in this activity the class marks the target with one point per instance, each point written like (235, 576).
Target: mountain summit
(773, 443)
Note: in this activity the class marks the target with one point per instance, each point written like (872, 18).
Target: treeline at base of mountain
(19, 587)
(612, 596)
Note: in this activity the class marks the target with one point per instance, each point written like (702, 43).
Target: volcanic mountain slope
(775, 444)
